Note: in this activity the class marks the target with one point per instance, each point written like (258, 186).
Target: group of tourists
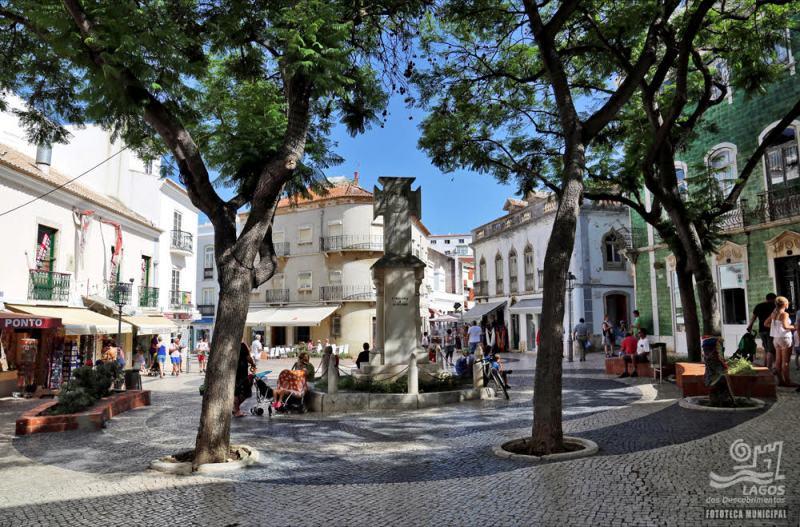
(176, 352)
(614, 334)
(779, 336)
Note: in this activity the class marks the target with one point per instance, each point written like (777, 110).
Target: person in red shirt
(629, 350)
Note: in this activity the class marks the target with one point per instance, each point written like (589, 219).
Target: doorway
(616, 306)
(787, 280)
(514, 332)
(530, 331)
(278, 336)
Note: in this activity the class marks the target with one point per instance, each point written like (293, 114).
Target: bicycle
(492, 378)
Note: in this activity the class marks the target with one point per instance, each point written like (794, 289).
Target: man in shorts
(761, 313)
(474, 335)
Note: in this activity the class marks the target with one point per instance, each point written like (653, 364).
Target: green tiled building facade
(761, 253)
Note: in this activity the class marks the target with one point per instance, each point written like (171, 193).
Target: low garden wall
(356, 401)
(33, 422)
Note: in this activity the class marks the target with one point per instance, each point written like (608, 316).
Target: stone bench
(616, 366)
(689, 378)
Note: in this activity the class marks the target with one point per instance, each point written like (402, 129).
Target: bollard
(413, 375)
(477, 375)
(333, 375)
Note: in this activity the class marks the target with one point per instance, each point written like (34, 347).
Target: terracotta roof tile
(342, 190)
(27, 165)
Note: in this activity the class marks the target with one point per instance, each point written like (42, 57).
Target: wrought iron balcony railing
(207, 310)
(148, 296)
(353, 242)
(769, 206)
(346, 293)
(180, 299)
(281, 248)
(182, 241)
(277, 296)
(120, 293)
(48, 285)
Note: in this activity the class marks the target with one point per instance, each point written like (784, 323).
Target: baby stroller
(263, 394)
(290, 393)
(153, 371)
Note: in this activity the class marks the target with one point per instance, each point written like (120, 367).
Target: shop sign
(29, 323)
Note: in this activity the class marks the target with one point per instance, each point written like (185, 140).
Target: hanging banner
(43, 251)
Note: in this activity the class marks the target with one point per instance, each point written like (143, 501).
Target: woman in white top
(781, 329)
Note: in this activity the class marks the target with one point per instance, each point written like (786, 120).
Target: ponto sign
(24, 323)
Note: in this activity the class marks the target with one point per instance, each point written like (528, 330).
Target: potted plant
(741, 376)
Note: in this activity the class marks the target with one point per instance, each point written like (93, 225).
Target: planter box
(689, 378)
(616, 366)
(32, 422)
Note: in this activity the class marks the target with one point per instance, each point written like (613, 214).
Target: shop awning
(259, 317)
(151, 325)
(482, 310)
(301, 316)
(76, 320)
(528, 305)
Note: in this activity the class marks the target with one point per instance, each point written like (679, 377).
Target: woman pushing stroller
(243, 387)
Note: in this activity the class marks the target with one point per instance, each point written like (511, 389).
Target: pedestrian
(328, 360)
(581, 335)
(202, 351)
(636, 325)
(608, 337)
(628, 347)
(175, 357)
(256, 348)
(153, 351)
(449, 347)
(491, 339)
(319, 347)
(781, 330)
(161, 356)
(363, 357)
(303, 363)
(243, 385)
(425, 340)
(458, 340)
(184, 355)
(761, 313)
(139, 360)
(474, 337)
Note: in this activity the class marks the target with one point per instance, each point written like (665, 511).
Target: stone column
(378, 280)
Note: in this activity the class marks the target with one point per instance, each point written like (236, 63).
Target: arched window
(512, 271)
(722, 164)
(483, 279)
(612, 259)
(681, 177)
(498, 275)
(781, 160)
(529, 268)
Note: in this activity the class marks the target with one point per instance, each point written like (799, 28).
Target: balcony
(481, 289)
(180, 300)
(529, 285)
(148, 296)
(353, 242)
(181, 242)
(207, 310)
(347, 293)
(48, 285)
(281, 248)
(277, 296)
(770, 206)
(120, 293)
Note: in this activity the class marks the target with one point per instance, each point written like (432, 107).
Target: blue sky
(451, 203)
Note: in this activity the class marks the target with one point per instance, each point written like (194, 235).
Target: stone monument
(397, 276)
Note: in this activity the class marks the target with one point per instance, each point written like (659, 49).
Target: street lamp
(570, 286)
(122, 296)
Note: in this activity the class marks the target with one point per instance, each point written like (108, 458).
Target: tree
(246, 88)
(732, 45)
(525, 90)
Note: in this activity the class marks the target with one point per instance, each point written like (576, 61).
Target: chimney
(355, 178)
(44, 153)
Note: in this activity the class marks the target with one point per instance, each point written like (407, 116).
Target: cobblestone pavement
(433, 466)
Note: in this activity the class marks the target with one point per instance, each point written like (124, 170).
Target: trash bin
(658, 359)
(133, 381)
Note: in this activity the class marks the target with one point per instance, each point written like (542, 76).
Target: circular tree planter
(702, 403)
(181, 464)
(578, 448)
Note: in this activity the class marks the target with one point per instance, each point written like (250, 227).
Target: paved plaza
(426, 467)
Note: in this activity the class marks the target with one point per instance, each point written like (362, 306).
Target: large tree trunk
(547, 434)
(690, 319)
(213, 435)
(707, 293)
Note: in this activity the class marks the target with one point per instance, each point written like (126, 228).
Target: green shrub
(86, 387)
(740, 366)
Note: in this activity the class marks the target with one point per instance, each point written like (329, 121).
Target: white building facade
(510, 260)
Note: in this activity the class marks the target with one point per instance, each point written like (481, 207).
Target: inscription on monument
(399, 300)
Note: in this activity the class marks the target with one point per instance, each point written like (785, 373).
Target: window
(529, 267)
(611, 256)
(722, 163)
(148, 167)
(335, 277)
(277, 281)
(677, 306)
(146, 265)
(278, 237)
(305, 235)
(781, 159)
(208, 261)
(45, 248)
(175, 283)
(433, 242)
(177, 221)
(721, 74)
(781, 52)
(512, 271)
(447, 242)
(461, 240)
(208, 296)
(335, 228)
(498, 274)
(304, 281)
(732, 293)
(336, 326)
(680, 176)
